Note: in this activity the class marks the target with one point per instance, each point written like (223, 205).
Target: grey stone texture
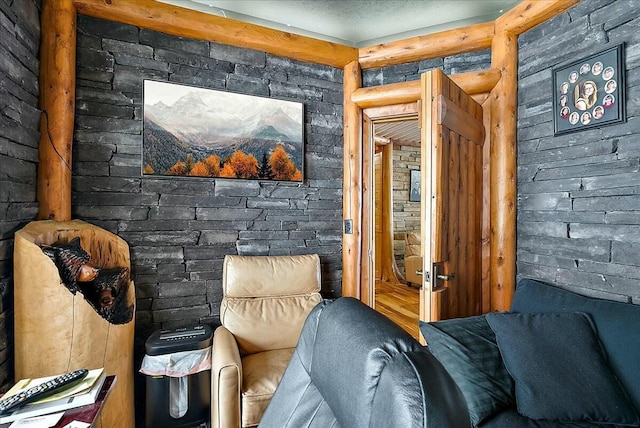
(19, 138)
(579, 193)
(411, 71)
(406, 214)
(180, 229)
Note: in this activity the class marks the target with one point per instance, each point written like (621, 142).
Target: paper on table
(45, 421)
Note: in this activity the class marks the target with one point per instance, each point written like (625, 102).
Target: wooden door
(377, 222)
(451, 202)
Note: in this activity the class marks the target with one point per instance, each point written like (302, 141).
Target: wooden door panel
(453, 143)
(377, 203)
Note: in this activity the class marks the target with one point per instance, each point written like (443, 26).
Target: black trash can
(178, 401)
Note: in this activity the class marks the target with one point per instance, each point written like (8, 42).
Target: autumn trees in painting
(277, 166)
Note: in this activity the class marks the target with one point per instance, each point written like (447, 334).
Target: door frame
(380, 107)
(369, 117)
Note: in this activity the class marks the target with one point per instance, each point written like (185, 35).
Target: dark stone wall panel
(584, 184)
(179, 229)
(19, 139)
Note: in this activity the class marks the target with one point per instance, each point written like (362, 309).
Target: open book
(81, 394)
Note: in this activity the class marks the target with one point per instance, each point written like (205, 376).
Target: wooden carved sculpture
(104, 289)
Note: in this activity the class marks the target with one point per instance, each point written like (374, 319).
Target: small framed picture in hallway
(414, 183)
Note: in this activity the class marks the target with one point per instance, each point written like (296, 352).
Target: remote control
(42, 390)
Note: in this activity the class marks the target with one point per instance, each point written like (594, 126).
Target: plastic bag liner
(177, 366)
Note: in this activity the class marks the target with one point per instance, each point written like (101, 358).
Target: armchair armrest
(411, 265)
(226, 380)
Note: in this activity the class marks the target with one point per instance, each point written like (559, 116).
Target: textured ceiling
(355, 23)
(404, 132)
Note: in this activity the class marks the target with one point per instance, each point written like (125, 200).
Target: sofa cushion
(510, 418)
(467, 348)
(614, 322)
(559, 369)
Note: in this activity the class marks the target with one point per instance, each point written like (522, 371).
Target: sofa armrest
(226, 380)
(441, 403)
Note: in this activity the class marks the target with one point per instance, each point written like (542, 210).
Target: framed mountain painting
(197, 132)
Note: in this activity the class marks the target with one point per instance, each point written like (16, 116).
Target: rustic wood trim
(57, 102)
(390, 271)
(183, 22)
(526, 15)
(351, 190)
(394, 112)
(473, 82)
(450, 114)
(486, 208)
(369, 116)
(367, 245)
(460, 40)
(504, 55)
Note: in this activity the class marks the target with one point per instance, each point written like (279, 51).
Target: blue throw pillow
(467, 349)
(560, 369)
(615, 324)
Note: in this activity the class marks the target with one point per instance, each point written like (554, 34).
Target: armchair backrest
(411, 244)
(266, 299)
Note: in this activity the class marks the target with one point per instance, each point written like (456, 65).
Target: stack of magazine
(80, 394)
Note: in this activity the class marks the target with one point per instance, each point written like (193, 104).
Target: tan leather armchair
(266, 300)
(412, 258)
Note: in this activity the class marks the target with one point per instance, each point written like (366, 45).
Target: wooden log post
(352, 190)
(57, 102)
(504, 104)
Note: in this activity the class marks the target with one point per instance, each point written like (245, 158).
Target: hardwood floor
(399, 303)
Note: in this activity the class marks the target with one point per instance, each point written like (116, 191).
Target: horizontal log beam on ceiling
(526, 15)
(445, 43)
(183, 22)
(473, 82)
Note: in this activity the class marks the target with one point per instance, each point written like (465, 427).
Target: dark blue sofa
(617, 326)
(354, 368)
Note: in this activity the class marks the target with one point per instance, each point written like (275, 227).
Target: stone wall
(579, 193)
(19, 137)
(411, 71)
(179, 229)
(406, 214)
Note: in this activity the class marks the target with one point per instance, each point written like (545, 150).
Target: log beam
(460, 40)
(526, 15)
(57, 102)
(352, 190)
(183, 22)
(504, 104)
(474, 82)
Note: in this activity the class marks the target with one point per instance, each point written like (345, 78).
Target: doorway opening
(396, 222)
(453, 212)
